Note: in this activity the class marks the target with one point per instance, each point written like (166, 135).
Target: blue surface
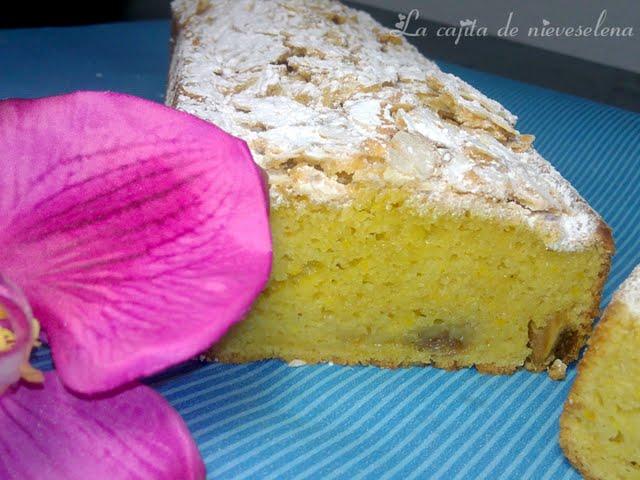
(267, 420)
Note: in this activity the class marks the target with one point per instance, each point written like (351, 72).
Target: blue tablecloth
(268, 420)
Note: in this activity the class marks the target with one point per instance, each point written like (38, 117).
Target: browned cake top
(327, 99)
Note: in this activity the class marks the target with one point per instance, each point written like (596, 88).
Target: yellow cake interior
(601, 421)
(376, 282)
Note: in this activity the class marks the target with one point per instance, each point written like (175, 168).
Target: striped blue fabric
(268, 420)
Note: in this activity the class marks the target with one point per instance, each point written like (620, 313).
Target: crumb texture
(327, 98)
(385, 286)
(600, 424)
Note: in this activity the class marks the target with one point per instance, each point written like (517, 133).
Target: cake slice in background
(412, 223)
(600, 424)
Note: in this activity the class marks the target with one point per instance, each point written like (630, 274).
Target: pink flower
(136, 235)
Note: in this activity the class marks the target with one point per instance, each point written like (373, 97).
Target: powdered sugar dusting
(322, 93)
(629, 291)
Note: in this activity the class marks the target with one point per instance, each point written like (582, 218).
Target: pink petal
(138, 233)
(46, 432)
(18, 320)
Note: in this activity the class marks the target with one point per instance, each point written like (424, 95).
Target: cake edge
(601, 334)
(624, 302)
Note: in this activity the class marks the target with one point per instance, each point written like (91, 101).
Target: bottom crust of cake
(600, 423)
(232, 358)
(379, 283)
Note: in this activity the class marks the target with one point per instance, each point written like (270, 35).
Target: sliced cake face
(600, 424)
(373, 284)
(412, 222)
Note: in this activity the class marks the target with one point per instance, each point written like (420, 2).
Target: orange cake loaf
(600, 424)
(412, 222)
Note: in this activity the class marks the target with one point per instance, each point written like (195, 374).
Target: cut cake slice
(412, 223)
(600, 424)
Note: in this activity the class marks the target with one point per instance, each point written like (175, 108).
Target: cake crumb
(297, 363)
(204, 358)
(557, 370)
